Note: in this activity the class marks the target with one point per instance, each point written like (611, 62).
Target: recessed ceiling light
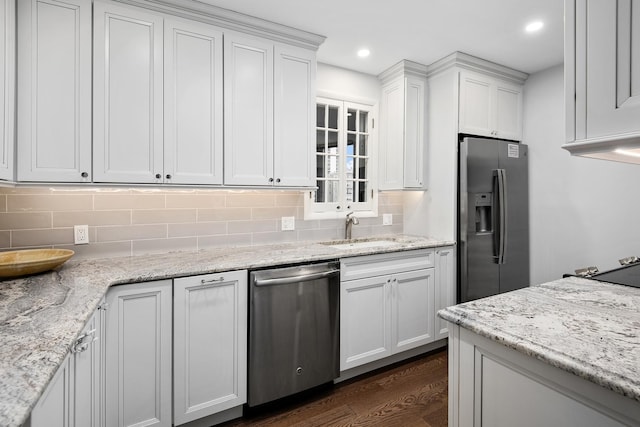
(534, 26)
(363, 53)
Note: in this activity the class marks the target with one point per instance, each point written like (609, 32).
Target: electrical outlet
(288, 223)
(387, 219)
(81, 234)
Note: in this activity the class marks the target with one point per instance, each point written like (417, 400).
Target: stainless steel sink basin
(360, 244)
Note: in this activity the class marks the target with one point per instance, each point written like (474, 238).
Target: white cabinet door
(391, 159)
(294, 116)
(412, 309)
(7, 87)
(365, 321)
(490, 107)
(402, 158)
(210, 344)
(414, 132)
(138, 354)
(193, 103)
(612, 66)
(445, 289)
(476, 106)
(248, 112)
(127, 97)
(87, 358)
(54, 406)
(54, 106)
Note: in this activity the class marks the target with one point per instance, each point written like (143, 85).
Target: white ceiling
(420, 30)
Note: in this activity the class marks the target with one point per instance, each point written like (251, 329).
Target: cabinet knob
(277, 180)
(84, 174)
(270, 179)
(168, 176)
(158, 176)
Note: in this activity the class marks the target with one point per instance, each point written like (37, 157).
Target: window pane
(320, 167)
(320, 109)
(320, 143)
(362, 191)
(362, 168)
(351, 120)
(362, 148)
(333, 142)
(363, 121)
(320, 192)
(351, 144)
(349, 167)
(332, 167)
(333, 191)
(333, 117)
(350, 188)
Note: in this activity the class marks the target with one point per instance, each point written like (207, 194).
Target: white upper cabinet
(269, 113)
(602, 76)
(192, 103)
(490, 107)
(127, 96)
(248, 87)
(54, 106)
(403, 142)
(294, 116)
(7, 88)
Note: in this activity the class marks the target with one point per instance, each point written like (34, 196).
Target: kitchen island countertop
(585, 327)
(41, 315)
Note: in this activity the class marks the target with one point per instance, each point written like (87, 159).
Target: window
(345, 161)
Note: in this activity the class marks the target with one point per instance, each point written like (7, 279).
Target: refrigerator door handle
(500, 206)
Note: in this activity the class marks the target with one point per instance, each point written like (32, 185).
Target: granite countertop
(41, 315)
(586, 327)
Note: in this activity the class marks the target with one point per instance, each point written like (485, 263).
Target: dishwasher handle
(296, 279)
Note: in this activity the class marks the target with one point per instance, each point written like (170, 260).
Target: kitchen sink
(360, 244)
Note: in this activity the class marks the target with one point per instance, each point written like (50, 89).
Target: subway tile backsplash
(143, 221)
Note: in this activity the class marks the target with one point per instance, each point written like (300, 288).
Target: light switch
(387, 219)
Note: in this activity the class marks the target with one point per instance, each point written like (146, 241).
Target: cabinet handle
(204, 282)
(80, 347)
(84, 174)
(158, 176)
(168, 176)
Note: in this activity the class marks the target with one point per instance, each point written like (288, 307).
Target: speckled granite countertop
(41, 315)
(582, 326)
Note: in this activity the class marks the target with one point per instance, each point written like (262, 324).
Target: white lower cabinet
(72, 398)
(138, 355)
(176, 350)
(493, 385)
(210, 345)
(445, 288)
(386, 306)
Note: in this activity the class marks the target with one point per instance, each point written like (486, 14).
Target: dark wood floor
(413, 393)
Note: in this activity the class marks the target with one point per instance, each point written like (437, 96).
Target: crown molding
(403, 68)
(228, 19)
(468, 62)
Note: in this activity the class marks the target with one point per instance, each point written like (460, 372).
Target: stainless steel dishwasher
(293, 330)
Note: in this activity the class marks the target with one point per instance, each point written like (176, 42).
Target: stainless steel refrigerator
(493, 218)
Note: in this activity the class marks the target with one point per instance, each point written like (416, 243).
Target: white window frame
(337, 210)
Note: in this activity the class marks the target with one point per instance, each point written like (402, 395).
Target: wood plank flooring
(413, 393)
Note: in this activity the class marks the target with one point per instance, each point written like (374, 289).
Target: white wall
(347, 84)
(583, 211)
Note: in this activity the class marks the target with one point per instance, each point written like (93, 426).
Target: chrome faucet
(351, 221)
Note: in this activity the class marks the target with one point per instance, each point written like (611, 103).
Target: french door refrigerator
(493, 218)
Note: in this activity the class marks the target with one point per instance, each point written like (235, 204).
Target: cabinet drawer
(383, 264)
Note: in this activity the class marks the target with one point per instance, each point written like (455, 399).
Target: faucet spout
(350, 222)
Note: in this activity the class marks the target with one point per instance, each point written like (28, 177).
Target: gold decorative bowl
(31, 261)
